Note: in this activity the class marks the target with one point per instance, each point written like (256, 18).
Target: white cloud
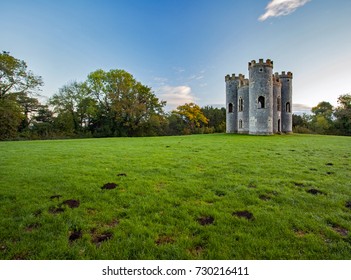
(299, 109)
(176, 96)
(277, 8)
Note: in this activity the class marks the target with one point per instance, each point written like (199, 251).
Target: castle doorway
(278, 125)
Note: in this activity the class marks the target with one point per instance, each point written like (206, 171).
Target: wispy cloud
(277, 8)
(176, 96)
(160, 81)
(299, 109)
(196, 77)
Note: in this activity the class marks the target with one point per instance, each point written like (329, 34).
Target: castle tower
(243, 106)
(231, 103)
(286, 113)
(277, 104)
(261, 97)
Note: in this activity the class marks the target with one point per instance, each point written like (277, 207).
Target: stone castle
(261, 104)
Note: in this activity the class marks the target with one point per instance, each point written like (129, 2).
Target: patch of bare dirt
(164, 239)
(244, 214)
(56, 210)
(299, 232)
(37, 213)
(264, 197)
(71, 203)
(99, 238)
(196, 251)
(32, 227)
(315, 191)
(220, 193)
(313, 169)
(74, 235)
(341, 230)
(109, 186)
(206, 220)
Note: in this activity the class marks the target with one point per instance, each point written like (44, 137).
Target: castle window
(261, 69)
(230, 108)
(240, 104)
(278, 104)
(260, 104)
(287, 107)
(240, 123)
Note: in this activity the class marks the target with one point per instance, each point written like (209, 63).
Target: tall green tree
(216, 118)
(126, 105)
(15, 78)
(322, 121)
(343, 114)
(17, 83)
(74, 107)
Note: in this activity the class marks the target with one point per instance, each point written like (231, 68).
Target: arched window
(278, 103)
(241, 104)
(230, 108)
(240, 123)
(288, 109)
(260, 102)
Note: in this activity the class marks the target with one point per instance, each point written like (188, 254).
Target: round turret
(243, 106)
(286, 113)
(261, 97)
(232, 83)
(277, 104)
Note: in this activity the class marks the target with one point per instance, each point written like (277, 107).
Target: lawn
(185, 197)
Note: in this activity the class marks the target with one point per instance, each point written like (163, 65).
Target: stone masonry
(261, 104)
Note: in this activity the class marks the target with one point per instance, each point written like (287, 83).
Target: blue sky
(184, 48)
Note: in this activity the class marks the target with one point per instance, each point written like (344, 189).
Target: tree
(343, 114)
(125, 105)
(16, 84)
(74, 107)
(10, 119)
(216, 118)
(15, 78)
(322, 121)
(192, 115)
(29, 105)
(324, 109)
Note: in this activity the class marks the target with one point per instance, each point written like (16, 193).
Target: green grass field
(187, 197)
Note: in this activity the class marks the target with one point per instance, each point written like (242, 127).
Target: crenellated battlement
(288, 75)
(268, 63)
(233, 77)
(243, 82)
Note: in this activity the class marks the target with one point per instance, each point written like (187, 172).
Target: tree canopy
(15, 78)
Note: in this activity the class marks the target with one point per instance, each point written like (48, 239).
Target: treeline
(325, 119)
(106, 104)
(113, 104)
